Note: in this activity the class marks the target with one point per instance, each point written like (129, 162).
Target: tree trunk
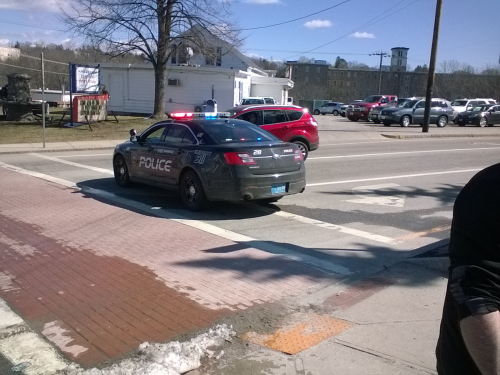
(159, 107)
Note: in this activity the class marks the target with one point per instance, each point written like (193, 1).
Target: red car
(361, 110)
(288, 123)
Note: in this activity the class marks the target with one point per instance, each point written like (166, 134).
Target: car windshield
(407, 104)
(237, 131)
(458, 103)
(372, 99)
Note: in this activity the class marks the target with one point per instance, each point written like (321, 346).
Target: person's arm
(481, 334)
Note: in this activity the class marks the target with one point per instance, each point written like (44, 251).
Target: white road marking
(368, 195)
(395, 177)
(338, 228)
(96, 169)
(402, 153)
(209, 228)
(83, 156)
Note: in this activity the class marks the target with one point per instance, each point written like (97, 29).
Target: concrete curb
(427, 135)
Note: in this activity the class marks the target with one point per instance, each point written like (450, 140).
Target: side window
(420, 105)
(175, 133)
(255, 117)
(384, 100)
(435, 103)
(189, 138)
(155, 135)
(274, 117)
(294, 115)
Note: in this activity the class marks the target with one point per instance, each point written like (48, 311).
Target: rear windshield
(372, 99)
(458, 103)
(252, 101)
(236, 131)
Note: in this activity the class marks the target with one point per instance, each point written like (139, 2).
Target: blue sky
(469, 30)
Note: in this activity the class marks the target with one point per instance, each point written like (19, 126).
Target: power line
(295, 19)
(36, 70)
(45, 60)
(30, 25)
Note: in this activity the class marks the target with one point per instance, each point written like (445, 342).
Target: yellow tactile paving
(306, 331)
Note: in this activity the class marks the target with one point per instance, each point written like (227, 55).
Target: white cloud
(357, 34)
(316, 24)
(263, 2)
(4, 42)
(30, 5)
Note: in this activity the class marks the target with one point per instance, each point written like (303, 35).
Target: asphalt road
(369, 203)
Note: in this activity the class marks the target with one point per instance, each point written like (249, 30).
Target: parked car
(374, 114)
(462, 105)
(482, 115)
(412, 112)
(343, 108)
(360, 110)
(207, 158)
(257, 100)
(289, 123)
(330, 107)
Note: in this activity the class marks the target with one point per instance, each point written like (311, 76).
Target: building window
(400, 62)
(354, 92)
(307, 69)
(361, 75)
(342, 74)
(407, 87)
(340, 92)
(318, 69)
(295, 78)
(341, 83)
(335, 83)
(306, 79)
(395, 75)
(329, 73)
(348, 74)
(354, 74)
(354, 83)
(348, 83)
(407, 78)
(317, 79)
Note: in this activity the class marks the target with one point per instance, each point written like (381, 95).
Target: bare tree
(154, 28)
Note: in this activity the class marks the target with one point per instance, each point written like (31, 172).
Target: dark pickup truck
(361, 110)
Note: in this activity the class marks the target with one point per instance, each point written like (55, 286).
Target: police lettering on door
(156, 164)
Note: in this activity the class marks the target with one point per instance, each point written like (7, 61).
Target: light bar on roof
(200, 115)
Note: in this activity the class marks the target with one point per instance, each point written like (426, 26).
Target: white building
(224, 75)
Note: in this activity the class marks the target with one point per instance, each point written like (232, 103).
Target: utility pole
(432, 68)
(382, 55)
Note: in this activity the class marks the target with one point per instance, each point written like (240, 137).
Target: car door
(418, 112)
(170, 154)
(143, 153)
(276, 122)
(495, 116)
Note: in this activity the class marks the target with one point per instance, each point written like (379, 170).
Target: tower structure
(399, 59)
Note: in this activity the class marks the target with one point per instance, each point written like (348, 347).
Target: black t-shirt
(474, 277)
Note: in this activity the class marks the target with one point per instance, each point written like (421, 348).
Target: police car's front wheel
(120, 170)
(192, 193)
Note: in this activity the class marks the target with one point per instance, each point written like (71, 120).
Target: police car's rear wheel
(120, 170)
(192, 193)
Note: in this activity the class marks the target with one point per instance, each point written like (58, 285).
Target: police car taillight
(298, 155)
(239, 158)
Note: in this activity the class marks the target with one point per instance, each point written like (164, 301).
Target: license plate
(278, 189)
(382, 117)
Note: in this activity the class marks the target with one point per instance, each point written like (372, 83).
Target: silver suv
(330, 107)
(412, 112)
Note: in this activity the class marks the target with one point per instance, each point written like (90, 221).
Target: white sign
(87, 79)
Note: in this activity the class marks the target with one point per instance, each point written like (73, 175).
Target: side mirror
(133, 135)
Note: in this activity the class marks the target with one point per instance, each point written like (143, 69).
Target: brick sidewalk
(97, 280)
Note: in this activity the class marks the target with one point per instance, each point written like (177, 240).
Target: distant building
(9, 53)
(399, 59)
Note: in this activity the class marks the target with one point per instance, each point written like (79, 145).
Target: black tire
(376, 121)
(303, 148)
(192, 193)
(335, 112)
(483, 122)
(405, 121)
(442, 121)
(316, 112)
(120, 170)
(387, 123)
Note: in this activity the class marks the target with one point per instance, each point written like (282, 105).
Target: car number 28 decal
(156, 164)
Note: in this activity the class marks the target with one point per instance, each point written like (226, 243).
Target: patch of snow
(173, 358)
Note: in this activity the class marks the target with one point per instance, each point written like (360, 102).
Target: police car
(211, 157)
